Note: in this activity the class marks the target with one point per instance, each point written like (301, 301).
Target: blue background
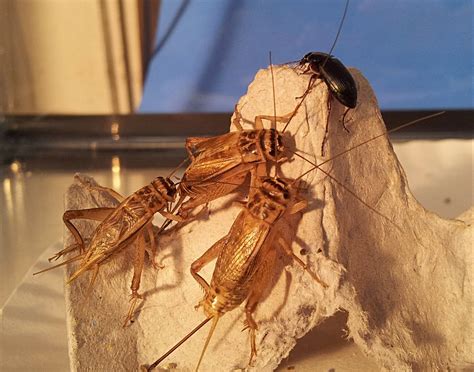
(416, 54)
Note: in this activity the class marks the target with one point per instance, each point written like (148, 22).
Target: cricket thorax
(153, 197)
(271, 142)
(260, 145)
(271, 200)
(165, 188)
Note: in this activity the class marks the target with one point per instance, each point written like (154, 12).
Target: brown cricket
(246, 255)
(128, 223)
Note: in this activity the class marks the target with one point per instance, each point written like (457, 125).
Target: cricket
(129, 224)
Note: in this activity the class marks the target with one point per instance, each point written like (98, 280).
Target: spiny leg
(95, 214)
(202, 261)
(237, 118)
(148, 229)
(137, 274)
(327, 124)
(287, 249)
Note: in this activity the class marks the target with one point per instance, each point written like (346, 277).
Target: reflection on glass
(114, 131)
(116, 182)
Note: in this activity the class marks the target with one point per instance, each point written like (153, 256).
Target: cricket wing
(113, 234)
(238, 261)
(212, 145)
(220, 157)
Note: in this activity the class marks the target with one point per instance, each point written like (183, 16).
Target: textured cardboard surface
(406, 284)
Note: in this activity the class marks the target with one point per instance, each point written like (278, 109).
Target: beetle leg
(137, 274)
(287, 249)
(344, 119)
(311, 80)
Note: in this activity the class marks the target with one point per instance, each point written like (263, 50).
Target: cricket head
(165, 187)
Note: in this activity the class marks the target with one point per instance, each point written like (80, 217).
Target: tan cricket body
(128, 223)
(220, 164)
(245, 256)
(245, 246)
(122, 225)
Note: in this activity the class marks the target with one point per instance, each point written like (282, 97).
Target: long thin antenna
(370, 140)
(177, 167)
(339, 30)
(348, 190)
(183, 340)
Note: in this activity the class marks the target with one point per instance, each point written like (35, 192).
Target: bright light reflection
(7, 192)
(15, 167)
(116, 183)
(114, 130)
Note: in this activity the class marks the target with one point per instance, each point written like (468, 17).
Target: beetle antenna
(182, 341)
(338, 33)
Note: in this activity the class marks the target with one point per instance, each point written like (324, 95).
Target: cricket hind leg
(95, 214)
(285, 246)
(206, 258)
(138, 265)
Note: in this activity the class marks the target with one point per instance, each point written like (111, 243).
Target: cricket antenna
(338, 33)
(369, 140)
(182, 341)
(177, 167)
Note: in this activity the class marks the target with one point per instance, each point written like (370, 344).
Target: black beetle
(336, 76)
